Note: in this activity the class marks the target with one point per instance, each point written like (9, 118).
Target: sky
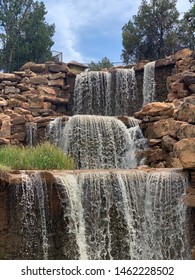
(89, 30)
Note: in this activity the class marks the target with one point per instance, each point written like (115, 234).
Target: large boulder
(186, 112)
(155, 109)
(37, 68)
(189, 79)
(163, 127)
(185, 150)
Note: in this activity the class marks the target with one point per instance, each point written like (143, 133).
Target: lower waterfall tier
(95, 214)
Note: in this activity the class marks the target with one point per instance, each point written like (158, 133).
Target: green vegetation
(158, 30)
(43, 156)
(24, 34)
(103, 64)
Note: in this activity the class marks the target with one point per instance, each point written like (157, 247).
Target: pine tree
(24, 34)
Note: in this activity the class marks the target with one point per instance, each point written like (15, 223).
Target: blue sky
(89, 30)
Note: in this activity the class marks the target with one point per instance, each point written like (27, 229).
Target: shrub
(43, 156)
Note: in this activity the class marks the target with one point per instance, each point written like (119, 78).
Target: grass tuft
(43, 156)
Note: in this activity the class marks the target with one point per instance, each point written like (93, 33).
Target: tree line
(156, 31)
(24, 33)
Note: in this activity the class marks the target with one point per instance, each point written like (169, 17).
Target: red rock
(37, 68)
(163, 127)
(185, 150)
(186, 112)
(181, 54)
(39, 80)
(56, 83)
(156, 109)
(9, 77)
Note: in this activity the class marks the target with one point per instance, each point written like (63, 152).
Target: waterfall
(33, 195)
(122, 214)
(125, 91)
(165, 224)
(99, 142)
(70, 197)
(105, 93)
(55, 130)
(31, 133)
(149, 83)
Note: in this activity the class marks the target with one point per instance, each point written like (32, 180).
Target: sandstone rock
(56, 83)
(181, 54)
(192, 88)
(56, 76)
(37, 68)
(47, 105)
(4, 141)
(5, 130)
(190, 99)
(172, 162)
(23, 87)
(185, 150)
(39, 80)
(19, 97)
(13, 102)
(189, 77)
(171, 96)
(57, 67)
(3, 102)
(186, 112)
(163, 127)
(19, 120)
(20, 136)
(155, 109)
(168, 143)
(154, 142)
(9, 90)
(9, 77)
(26, 80)
(186, 131)
(155, 155)
(45, 90)
(56, 100)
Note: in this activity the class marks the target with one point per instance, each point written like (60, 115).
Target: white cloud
(76, 18)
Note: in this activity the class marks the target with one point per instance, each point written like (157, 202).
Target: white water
(74, 212)
(54, 131)
(33, 195)
(104, 93)
(127, 215)
(165, 225)
(97, 142)
(149, 83)
(31, 132)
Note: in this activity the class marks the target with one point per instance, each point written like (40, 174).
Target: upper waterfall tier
(149, 83)
(105, 93)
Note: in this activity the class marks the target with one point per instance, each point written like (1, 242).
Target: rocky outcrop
(37, 90)
(185, 150)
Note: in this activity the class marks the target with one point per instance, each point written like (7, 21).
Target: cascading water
(99, 142)
(126, 214)
(165, 224)
(70, 196)
(32, 194)
(54, 131)
(104, 93)
(31, 132)
(149, 83)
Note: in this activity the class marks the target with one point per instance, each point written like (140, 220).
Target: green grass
(43, 156)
